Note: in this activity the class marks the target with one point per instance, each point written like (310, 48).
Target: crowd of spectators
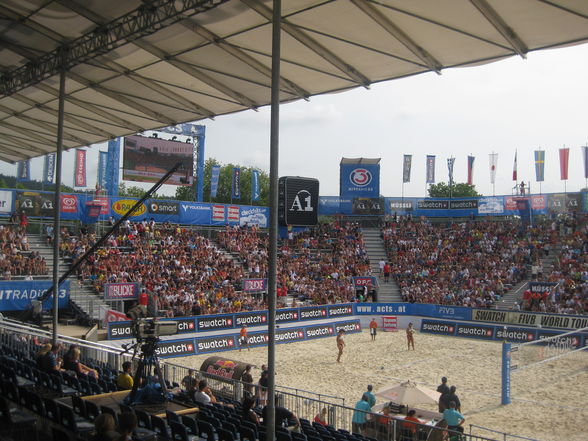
(468, 264)
(569, 275)
(16, 257)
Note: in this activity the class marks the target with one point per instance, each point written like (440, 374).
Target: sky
(512, 105)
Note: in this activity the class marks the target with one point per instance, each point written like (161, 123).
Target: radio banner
(254, 285)
(102, 177)
(539, 165)
(23, 171)
(121, 291)
(407, 164)
(214, 175)
(493, 165)
(564, 159)
(471, 160)
(49, 168)
(255, 185)
(17, 295)
(80, 168)
(236, 193)
(430, 169)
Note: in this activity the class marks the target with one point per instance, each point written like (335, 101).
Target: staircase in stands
(374, 245)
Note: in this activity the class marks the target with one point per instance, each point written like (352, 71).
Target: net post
(505, 373)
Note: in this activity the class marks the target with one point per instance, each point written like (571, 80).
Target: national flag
(214, 176)
(255, 185)
(80, 168)
(471, 160)
(493, 165)
(514, 168)
(430, 169)
(236, 193)
(564, 159)
(539, 165)
(406, 166)
(450, 162)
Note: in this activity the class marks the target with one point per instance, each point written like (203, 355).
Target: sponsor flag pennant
(80, 168)
(215, 173)
(450, 162)
(514, 168)
(471, 160)
(49, 168)
(585, 153)
(430, 169)
(23, 171)
(255, 185)
(493, 165)
(564, 158)
(236, 194)
(539, 165)
(407, 163)
(102, 162)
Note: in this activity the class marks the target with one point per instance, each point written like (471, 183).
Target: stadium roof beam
(399, 34)
(240, 54)
(17, 141)
(351, 72)
(502, 27)
(145, 20)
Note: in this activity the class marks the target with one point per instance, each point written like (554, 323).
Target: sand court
(550, 401)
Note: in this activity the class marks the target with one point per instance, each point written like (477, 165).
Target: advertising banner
(406, 166)
(518, 335)
(349, 327)
(198, 214)
(80, 168)
(23, 171)
(475, 331)
(214, 322)
(186, 129)
(254, 216)
(121, 291)
(471, 160)
(233, 213)
(175, 348)
(119, 330)
(368, 206)
(255, 189)
(214, 177)
(236, 183)
(359, 180)
(541, 287)
(298, 201)
(313, 313)
(5, 201)
(562, 202)
(214, 344)
(163, 208)
(185, 324)
(530, 319)
(254, 285)
(360, 282)
(69, 203)
(286, 315)
(218, 213)
(399, 204)
(491, 205)
(121, 206)
(49, 168)
(340, 310)
(438, 327)
(253, 318)
(319, 331)
(34, 203)
(564, 160)
(102, 178)
(149, 159)
(493, 166)
(16, 295)
(430, 169)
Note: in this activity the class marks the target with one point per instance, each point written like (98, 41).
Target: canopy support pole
(273, 232)
(57, 204)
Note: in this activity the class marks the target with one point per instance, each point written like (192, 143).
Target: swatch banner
(102, 176)
(214, 176)
(49, 168)
(17, 295)
(255, 185)
(471, 160)
(430, 169)
(539, 165)
(236, 193)
(564, 159)
(407, 164)
(80, 169)
(493, 165)
(23, 171)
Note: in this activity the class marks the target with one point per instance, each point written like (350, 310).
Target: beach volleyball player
(340, 344)
(410, 336)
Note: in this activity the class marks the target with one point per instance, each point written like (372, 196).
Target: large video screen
(148, 159)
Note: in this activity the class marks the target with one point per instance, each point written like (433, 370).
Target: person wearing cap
(443, 389)
(371, 396)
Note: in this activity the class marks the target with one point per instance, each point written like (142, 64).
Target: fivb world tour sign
(360, 178)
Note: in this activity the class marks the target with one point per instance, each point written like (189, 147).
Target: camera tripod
(147, 359)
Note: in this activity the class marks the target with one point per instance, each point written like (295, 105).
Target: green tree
(459, 190)
(132, 191)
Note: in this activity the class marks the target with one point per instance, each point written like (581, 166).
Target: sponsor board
(255, 318)
(340, 310)
(175, 348)
(432, 205)
(69, 203)
(530, 319)
(5, 201)
(289, 335)
(34, 203)
(491, 205)
(436, 327)
(349, 327)
(195, 207)
(368, 206)
(185, 324)
(250, 285)
(360, 282)
(257, 339)
(400, 205)
(466, 204)
(16, 295)
(121, 291)
(319, 331)
(214, 344)
(517, 335)
(541, 287)
(572, 341)
(475, 331)
(118, 330)
(215, 322)
(286, 315)
(313, 313)
(254, 216)
(233, 213)
(539, 202)
(218, 213)
(222, 368)
(123, 205)
(161, 207)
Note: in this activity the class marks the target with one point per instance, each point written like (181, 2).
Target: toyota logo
(360, 177)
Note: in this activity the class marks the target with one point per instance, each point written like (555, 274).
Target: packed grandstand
(470, 264)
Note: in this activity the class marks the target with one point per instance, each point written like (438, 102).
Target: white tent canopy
(138, 65)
